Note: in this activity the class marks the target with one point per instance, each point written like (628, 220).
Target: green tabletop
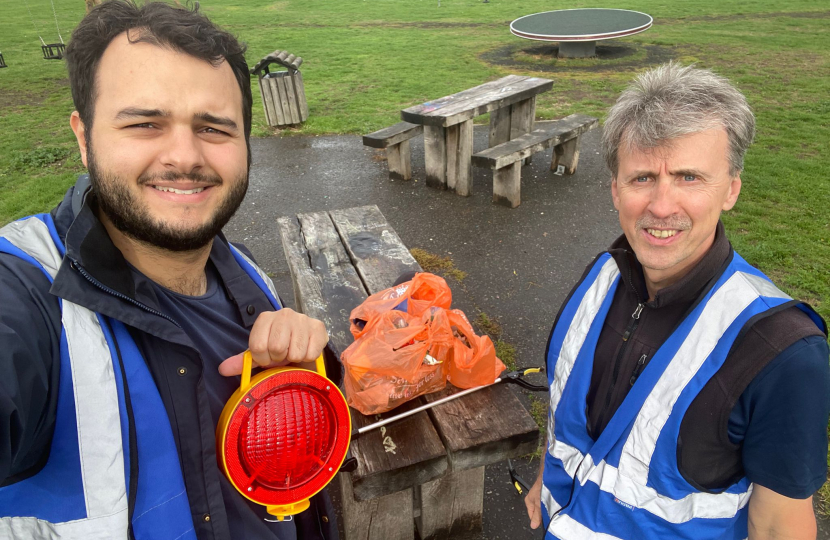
(581, 24)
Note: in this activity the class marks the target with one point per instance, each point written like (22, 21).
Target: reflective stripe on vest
(81, 492)
(626, 483)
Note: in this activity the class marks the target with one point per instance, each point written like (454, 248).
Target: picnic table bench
(428, 468)
(448, 125)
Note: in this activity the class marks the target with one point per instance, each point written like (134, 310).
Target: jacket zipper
(74, 263)
(637, 369)
(632, 326)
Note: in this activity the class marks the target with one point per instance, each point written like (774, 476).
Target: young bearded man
(689, 396)
(123, 311)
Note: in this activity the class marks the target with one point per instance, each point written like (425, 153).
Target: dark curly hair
(158, 23)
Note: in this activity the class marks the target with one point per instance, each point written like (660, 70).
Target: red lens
(287, 437)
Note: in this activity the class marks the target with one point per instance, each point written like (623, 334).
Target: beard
(131, 217)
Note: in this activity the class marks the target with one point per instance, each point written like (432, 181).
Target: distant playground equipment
(283, 93)
(578, 30)
(51, 51)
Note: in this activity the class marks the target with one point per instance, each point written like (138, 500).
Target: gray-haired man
(689, 395)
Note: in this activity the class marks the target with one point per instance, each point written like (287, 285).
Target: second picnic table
(448, 125)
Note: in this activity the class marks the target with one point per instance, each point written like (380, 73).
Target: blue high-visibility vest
(626, 484)
(83, 490)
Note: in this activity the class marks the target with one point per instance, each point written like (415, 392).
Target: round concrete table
(578, 30)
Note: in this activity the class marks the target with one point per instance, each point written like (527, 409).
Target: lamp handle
(248, 361)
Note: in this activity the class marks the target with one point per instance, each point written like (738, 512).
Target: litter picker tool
(515, 377)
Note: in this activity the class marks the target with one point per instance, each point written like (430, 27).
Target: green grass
(365, 60)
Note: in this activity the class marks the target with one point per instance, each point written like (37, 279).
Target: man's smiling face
(167, 152)
(670, 200)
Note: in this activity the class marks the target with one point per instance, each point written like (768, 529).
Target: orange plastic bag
(398, 357)
(423, 291)
(474, 361)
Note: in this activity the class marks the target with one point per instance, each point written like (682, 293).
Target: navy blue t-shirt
(213, 323)
(780, 421)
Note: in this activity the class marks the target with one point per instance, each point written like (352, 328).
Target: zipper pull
(637, 370)
(632, 324)
(636, 314)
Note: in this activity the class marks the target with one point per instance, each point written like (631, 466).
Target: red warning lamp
(283, 436)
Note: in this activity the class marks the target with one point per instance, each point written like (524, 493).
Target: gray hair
(671, 101)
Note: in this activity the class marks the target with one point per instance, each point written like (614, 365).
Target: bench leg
(507, 185)
(385, 518)
(521, 120)
(398, 159)
(567, 155)
(451, 506)
(459, 156)
(435, 154)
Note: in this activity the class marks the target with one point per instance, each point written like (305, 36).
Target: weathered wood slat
(297, 62)
(289, 60)
(459, 151)
(299, 89)
(326, 285)
(484, 427)
(451, 507)
(383, 518)
(435, 156)
(476, 101)
(507, 185)
(374, 247)
(524, 146)
(275, 92)
(283, 94)
(521, 117)
(567, 155)
(499, 126)
(267, 101)
(398, 158)
(438, 104)
(288, 80)
(521, 120)
(398, 456)
(392, 135)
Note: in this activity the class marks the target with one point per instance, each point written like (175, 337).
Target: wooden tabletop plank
(375, 248)
(456, 108)
(326, 285)
(400, 455)
(485, 427)
(446, 101)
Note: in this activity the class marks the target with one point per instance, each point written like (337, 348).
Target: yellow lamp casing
(237, 400)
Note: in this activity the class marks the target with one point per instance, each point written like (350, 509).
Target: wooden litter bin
(283, 94)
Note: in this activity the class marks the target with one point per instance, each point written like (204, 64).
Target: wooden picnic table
(428, 468)
(448, 125)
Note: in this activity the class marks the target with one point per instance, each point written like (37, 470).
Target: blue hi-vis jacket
(113, 463)
(626, 484)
